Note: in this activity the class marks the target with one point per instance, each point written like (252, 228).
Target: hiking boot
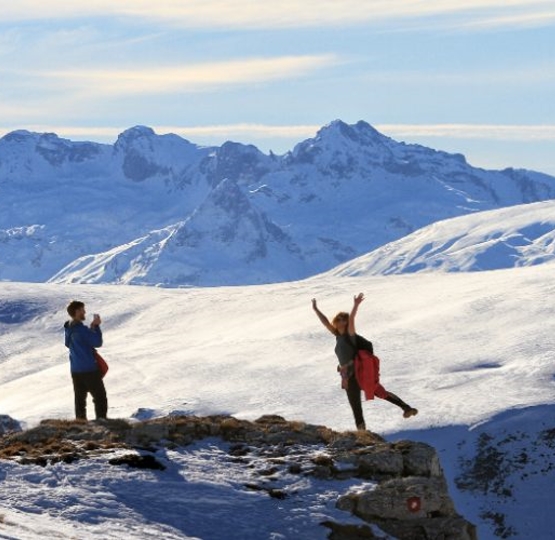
(410, 412)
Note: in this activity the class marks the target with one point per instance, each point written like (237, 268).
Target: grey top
(345, 348)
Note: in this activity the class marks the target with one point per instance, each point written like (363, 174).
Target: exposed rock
(400, 499)
(7, 423)
(407, 496)
(419, 459)
(138, 462)
(350, 532)
(380, 461)
(439, 528)
(61, 440)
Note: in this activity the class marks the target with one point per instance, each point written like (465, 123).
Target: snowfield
(522, 235)
(202, 490)
(471, 351)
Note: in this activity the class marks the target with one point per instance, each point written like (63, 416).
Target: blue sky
(470, 76)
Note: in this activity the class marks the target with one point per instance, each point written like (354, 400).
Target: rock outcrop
(8, 424)
(404, 493)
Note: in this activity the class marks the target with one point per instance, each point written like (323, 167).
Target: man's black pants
(89, 382)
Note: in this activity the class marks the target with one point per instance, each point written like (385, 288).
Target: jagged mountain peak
(231, 153)
(22, 136)
(18, 136)
(226, 237)
(133, 133)
(25, 137)
(359, 135)
(134, 136)
(346, 143)
(145, 154)
(228, 196)
(221, 216)
(232, 147)
(25, 152)
(243, 163)
(361, 132)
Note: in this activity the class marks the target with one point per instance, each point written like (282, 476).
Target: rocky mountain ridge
(157, 209)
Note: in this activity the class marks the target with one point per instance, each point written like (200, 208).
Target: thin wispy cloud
(246, 132)
(187, 78)
(249, 14)
(204, 69)
(517, 20)
(22, 113)
(461, 131)
(473, 131)
(533, 73)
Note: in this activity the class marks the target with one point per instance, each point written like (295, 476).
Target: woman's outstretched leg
(408, 411)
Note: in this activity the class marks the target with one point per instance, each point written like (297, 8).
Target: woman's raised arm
(356, 302)
(323, 319)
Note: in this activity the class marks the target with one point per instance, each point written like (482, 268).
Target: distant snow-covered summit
(158, 209)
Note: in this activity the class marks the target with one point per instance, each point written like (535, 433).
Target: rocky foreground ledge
(406, 496)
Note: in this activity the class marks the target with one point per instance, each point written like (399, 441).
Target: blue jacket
(80, 340)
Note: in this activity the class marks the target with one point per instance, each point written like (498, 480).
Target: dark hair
(73, 306)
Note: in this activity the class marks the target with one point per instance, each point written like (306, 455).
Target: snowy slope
(225, 237)
(470, 350)
(459, 320)
(522, 235)
(501, 470)
(92, 213)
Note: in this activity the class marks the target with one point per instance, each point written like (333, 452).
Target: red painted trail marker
(414, 504)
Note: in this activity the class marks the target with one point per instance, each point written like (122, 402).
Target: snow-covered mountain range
(157, 209)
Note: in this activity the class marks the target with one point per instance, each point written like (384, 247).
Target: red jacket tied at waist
(367, 372)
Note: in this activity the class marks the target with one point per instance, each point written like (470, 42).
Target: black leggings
(92, 382)
(354, 393)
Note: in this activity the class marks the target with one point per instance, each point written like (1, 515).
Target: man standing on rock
(81, 341)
